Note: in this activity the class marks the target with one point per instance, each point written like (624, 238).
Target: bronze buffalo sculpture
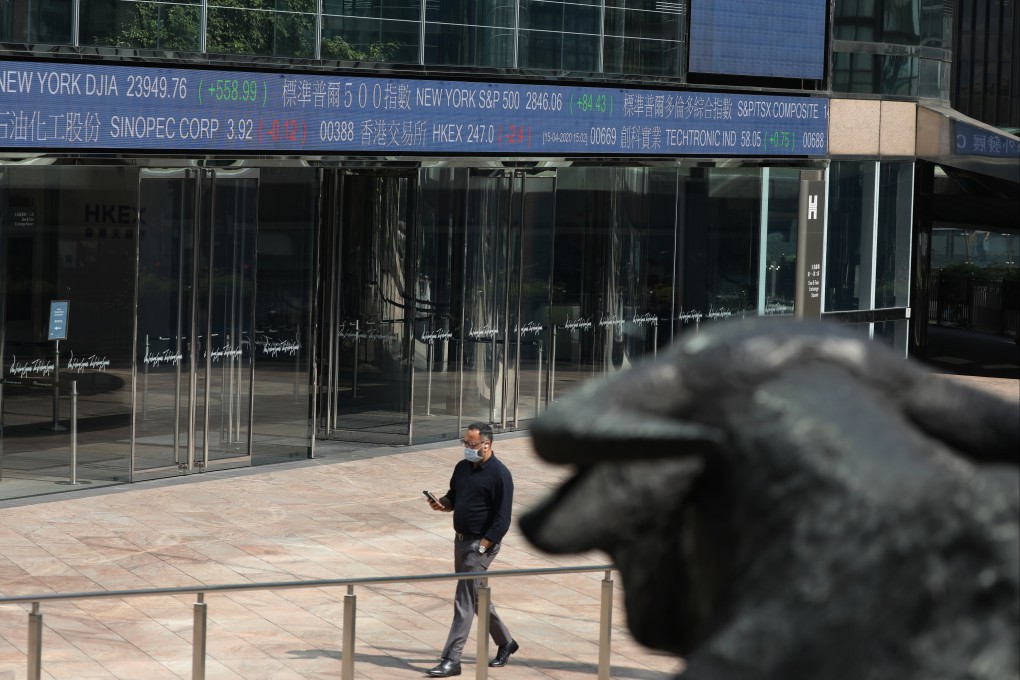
(791, 501)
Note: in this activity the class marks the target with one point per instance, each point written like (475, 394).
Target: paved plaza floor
(358, 515)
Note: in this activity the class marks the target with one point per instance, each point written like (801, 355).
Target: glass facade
(899, 48)
(227, 312)
(986, 73)
(868, 255)
(605, 36)
(227, 316)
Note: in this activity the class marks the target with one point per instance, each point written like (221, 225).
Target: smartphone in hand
(432, 497)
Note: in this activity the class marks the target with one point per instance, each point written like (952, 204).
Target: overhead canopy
(953, 140)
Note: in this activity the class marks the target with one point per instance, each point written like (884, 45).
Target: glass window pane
(936, 26)
(654, 25)
(558, 16)
(42, 21)
(895, 213)
(931, 79)
(440, 301)
(125, 23)
(899, 76)
(469, 45)
(853, 72)
(901, 21)
(248, 31)
(288, 204)
(558, 51)
(643, 42)
(851, 204)
(781, 240)
(400, 10)
(479, 13)
(72, 237)
(646, 57)
(354, 39)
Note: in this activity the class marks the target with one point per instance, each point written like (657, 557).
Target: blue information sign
(974, 141)
(58, 319)
(97, 106)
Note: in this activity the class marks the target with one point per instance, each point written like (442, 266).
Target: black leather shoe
(503, 654)
(445, 669)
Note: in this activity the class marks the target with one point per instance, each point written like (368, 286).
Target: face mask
(472, 455)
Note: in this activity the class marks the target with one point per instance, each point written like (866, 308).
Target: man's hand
(442, 506)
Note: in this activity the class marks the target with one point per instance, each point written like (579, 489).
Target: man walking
(480, 496)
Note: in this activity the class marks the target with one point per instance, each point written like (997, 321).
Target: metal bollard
(35, 643)
(357, 343)
(538, 397)
(428, 389)
(145, 381)
(74, 432)
(606, 626)
(74, 436)
(199, 639)
(552, 369)
(484, 599)
(655, 338)
(57, 427)
(350, 614)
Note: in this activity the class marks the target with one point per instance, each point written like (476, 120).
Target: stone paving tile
(330, 519)
(1007, 388)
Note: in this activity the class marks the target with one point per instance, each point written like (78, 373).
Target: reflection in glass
(612, 271)
(780, 247)
(288, 210)
(357, 39)
(368, 303)
(131, 23)
(892, 243)
(648, 42)
(470, 33)
(225, 306)
(261, 31)
(848, 258)
(195, 320)
(900, 22)
(439, 303)
(165, 256)
(530, 274)
(559, 36)
(558, 51)
(875, 74)
(69, 234)
(720, 233)
(41, 21)
(484, 331)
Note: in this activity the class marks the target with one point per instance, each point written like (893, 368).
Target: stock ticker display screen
(92, 107)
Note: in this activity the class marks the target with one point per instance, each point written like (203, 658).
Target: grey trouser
(465, 602)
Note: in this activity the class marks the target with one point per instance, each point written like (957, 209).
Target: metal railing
(987, 304)
(200, 630)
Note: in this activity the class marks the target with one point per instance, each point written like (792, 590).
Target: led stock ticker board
(84, 107)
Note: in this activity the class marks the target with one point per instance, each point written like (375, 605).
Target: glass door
(485, 322)
(484, 257)
(196, 294)
(368, 307)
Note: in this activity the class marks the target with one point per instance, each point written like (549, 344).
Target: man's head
(478, 438)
